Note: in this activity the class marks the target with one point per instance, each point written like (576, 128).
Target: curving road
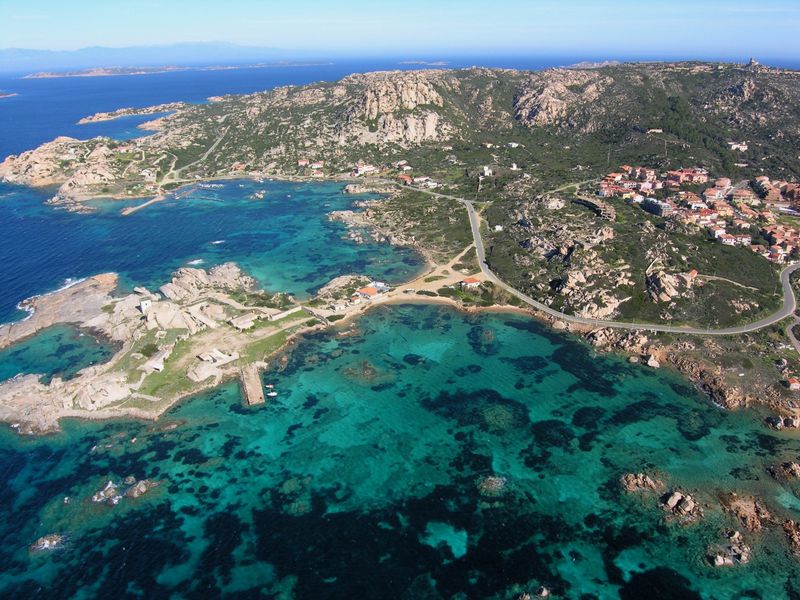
(789, 299)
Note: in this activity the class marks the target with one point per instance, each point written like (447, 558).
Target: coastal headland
(192, 334)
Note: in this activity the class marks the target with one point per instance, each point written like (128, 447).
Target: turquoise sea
(362, 478)
(59, 351)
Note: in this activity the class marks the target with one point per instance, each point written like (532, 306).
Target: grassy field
(261, 349)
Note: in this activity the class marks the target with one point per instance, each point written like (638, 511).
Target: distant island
(117, 71)
(425, 63)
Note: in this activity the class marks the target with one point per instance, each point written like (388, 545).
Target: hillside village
(730, 213)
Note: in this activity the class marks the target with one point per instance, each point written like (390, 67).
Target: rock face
(81, 168)
(661, 286)
(393, 91)
(551, 98)
(396, 106)
(188, 283)
(39, 166)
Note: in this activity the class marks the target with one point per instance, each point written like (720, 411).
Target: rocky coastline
(682, 508)
(196, 311)
(86, 304)
(81, 302)
(130, 112)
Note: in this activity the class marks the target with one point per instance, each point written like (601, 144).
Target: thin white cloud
(761, 10)
(15, 17)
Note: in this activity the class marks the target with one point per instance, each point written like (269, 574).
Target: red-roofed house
(368, 292)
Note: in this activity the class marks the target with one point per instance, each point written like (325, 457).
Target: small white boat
(269, 386)
(272, 394)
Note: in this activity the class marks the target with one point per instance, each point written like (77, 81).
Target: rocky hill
(378, 116)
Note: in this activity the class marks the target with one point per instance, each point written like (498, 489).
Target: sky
(592, 28)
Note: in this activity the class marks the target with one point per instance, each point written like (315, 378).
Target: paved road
(220, 134)
(790, 333)
(789, 300)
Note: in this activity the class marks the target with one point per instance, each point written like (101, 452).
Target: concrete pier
(251, 384)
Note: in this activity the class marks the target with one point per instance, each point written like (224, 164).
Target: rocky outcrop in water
(752, 512)
(140, 488)
(787, 471)
(492, 486)
(109, 494)
(639, 482)
(49, 542)
(682, 506)
(733, 552)
(792, 531)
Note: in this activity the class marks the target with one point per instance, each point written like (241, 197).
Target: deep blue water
(285, 240)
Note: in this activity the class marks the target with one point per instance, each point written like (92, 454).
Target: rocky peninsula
(191, 334)
(131, 112)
